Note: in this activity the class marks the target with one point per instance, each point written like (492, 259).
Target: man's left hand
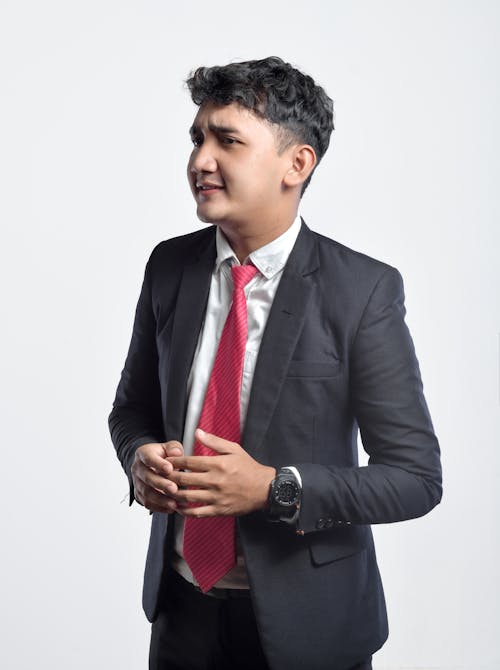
(230, 483)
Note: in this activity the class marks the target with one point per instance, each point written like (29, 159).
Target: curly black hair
(275, 91)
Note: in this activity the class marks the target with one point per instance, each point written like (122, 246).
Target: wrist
(269, 476)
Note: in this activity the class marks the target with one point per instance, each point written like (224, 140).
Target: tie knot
(242, 274)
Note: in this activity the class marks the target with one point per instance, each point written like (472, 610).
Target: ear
(303, 159)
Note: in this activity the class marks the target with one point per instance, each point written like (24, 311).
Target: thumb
(173, 448)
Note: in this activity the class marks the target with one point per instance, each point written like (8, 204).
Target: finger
(195, 463)
(218, 444)
(185, 479)
(199, 463)
(152, 500)
(154, 480)
(153, 457)
(168, 508)
(200, 512)
(173, 448)
(195, 497)
(140, 469)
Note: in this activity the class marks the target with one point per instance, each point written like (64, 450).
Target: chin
(207, 218)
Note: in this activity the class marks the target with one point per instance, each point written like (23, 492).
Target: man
(258, 349)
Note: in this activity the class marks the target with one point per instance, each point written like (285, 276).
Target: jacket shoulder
(176, 251)
(357, 272)
(350, 259)
(355, 275)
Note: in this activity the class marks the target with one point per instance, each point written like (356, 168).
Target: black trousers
(195, 631)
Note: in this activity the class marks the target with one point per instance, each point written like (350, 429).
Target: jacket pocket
(331, 545)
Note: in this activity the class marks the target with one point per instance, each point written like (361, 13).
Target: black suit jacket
(336, 354)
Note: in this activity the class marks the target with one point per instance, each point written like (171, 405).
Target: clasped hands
(229, 483)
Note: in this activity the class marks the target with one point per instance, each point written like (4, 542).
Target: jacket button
(320, 524)
(329, 522)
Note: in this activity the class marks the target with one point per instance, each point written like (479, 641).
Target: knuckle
(146, 461)
(190, 497)
(148, 478)
(143, 451)
(216, 483)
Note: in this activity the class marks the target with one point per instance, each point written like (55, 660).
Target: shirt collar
(269, 259)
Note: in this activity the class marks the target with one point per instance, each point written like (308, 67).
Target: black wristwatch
(284, 496)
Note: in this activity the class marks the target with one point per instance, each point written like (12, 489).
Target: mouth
(205, 189)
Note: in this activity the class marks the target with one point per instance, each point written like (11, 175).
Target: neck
(245, 239)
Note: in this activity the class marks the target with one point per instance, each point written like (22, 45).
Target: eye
(228, 140)
(197, 140)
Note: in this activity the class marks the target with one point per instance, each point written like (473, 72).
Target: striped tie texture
(209, 543)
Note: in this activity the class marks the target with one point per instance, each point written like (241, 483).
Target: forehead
(232, 116)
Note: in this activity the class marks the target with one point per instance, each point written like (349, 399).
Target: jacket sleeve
(136, 417)
(403, 477)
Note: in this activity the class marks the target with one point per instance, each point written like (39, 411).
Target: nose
(202, 159)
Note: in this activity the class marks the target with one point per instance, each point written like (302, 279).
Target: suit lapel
(285, 322)
(190, 310)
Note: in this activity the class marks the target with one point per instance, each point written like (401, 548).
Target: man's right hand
(150, 472)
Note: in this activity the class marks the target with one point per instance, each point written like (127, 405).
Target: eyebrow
(194, 130)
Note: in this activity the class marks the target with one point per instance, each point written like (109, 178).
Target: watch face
(287, 492)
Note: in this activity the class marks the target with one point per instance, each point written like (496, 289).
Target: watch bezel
(282, 481)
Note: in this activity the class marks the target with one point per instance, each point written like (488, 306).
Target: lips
(205, 190)
(207, 186)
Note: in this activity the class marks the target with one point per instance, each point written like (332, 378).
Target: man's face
(234, 170)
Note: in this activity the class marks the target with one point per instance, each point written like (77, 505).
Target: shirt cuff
(292, 519)
(296, 473)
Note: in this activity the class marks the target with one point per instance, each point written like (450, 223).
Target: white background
(94, 141)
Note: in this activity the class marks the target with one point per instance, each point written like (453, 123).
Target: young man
(259, 347)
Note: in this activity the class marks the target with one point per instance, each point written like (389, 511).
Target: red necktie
(209, 543)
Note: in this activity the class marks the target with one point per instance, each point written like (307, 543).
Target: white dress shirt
(259, 292)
